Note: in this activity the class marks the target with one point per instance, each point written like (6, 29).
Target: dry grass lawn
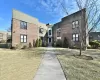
(19, 64)
(80, 69)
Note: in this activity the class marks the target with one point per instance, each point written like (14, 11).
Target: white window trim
(75, 37)
(23, 38)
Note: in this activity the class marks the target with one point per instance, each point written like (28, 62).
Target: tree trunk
(80, 49)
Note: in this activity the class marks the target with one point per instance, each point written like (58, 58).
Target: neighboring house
(94, 36)
(69, 28)
(26, 29)
(5, 35)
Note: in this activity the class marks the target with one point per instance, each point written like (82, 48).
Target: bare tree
(92, 17)
(9, 29)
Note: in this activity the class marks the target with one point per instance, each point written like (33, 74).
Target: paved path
(50, 68)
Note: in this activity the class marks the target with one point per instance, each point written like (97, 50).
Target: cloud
(53, 8)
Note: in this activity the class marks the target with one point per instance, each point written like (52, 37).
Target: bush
(89, 47)
(59, 43)
(65, 43)
(9, 40)
(24, 47)
(19, 46)
(30, 45)
(14, 48)
(54, 44)
(37, 43)
(2, 41)
(40, 43)
(44, 44)
(94, 44)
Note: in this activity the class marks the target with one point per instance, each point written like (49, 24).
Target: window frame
(41, 32)
(49, 32)
(58, 31)
(77, 25)
(74, 25)
(23, 38)
(76, 37)
(23, 25)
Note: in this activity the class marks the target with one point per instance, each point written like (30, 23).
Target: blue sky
(47, 11)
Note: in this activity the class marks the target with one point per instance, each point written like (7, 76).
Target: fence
(5, 45)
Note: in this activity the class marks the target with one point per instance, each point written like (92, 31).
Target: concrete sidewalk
(50, 68)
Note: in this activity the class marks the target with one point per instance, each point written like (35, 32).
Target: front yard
(77, 68)
(19, 64)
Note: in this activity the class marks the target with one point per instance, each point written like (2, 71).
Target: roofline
(84, 9)
(24, 13)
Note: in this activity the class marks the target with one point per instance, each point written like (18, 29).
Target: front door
(49, 41)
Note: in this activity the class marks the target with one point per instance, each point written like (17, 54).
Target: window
(41, 30)
(75, 24)
(49, 32)
(23, 38)
(58, 32)
(23, 25)
(75, 37)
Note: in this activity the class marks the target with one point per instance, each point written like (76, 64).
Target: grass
(19, 64)
(80, 69)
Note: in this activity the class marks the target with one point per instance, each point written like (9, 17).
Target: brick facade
(34, 28)
(67, 29)
(32, 32)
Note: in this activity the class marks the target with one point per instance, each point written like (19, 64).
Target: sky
(46, 11)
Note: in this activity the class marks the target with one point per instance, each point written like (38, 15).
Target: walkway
(50, 68)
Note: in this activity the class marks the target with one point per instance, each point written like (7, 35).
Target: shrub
(65, 43)
(24, 47)
(40, 43)
(19, 46)
(9, 40)
(44, 44)
(54, 44)
(14, 48)
(94, 44)
(89, 47)
(30, 45)
(37, 43)
(59, 43)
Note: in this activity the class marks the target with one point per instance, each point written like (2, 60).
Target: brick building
(69, 27)
(26, 29)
